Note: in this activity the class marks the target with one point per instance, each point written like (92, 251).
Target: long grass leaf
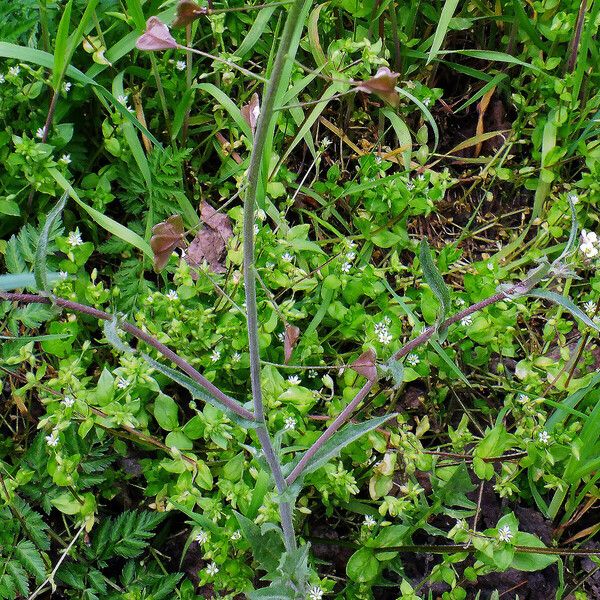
(442, 28)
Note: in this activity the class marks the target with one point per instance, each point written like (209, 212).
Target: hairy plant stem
(254, 176)
(142, 335)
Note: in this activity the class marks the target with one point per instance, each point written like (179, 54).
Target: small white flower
(2, 80)
(466, 321)
(14, 71)
(201, 537)
(413, 360)
(74, 239)
(590, 307)
(65, 159)
(68, 401)
(325, 142)
(52, 439)
(427, 101)
(312, 373)
(236, 357)
(212, 569)
(369, 521)
(589, 244)
(63, 274)
(346, 267)
(287, 257)
(544, 437)
(122, 99)
(256, 229)
(350, 244)
(505, 534)
(215, 356)
(421, 177)
(573, 197)
(281, 337)
(460, 302)
(236, 535)
(315, 593)
(490, 266)
(410, 186)
(523, 398)
(67, 87)
(294, 380)
(122, 383)
(351, 256)
(172, 295)
(180, 65)
(39, 133)
(289, 424)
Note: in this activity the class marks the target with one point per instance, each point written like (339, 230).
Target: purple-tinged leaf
(365, 365)
(290, 338)
(382, 84)
(188, 12)
(156, 37)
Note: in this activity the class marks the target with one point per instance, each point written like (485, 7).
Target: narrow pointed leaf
(22, 280)
(40, 268)
(111, 333)
(434, 280)
(566, 303)
(198, 391)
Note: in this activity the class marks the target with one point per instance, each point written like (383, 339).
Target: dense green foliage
(489, 434)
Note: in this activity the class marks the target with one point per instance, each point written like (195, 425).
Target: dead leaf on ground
(210, 243)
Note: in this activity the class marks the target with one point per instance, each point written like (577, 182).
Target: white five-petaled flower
(281, 337)
(544, 437)
(346, 267)
(315, 593)
(172, 295)
(573, 197)
(287, 257)
(14, 71)
(350, 244)
(216, 355)
(122, 99)
(289, 423)
(122, 383)
(180, 65)
(236, 535)
(369, 522)
(522, 398)
(590, 307)
(201, 537)
(52, 439)
(212, 569)
(383, 333)
(350, 256)
(39, 133)
(256, 229)
(68, 401)
(589, 244)
(67, 87)
(65, 159)
(427, 101)
(294, 380)
(2, 80)
(505, 534)
(63, 274)
(236, 357)
(74, 239)
(413, 360)
(466, 321)
(325, 142)
(410, 186)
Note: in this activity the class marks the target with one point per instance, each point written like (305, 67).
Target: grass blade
(442, 28)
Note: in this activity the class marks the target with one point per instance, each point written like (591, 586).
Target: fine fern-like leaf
(126, 536)
(31, 559)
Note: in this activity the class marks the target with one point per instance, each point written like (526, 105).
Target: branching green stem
(254, 176)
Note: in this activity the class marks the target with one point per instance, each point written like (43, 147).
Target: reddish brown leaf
(365, 365)
(156, 37)
(290, 337)
(251, 111)
(210, 243)
(166, 236)
(382, 84)
(188, 12)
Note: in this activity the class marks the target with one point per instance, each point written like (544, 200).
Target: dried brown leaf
(251, 111)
